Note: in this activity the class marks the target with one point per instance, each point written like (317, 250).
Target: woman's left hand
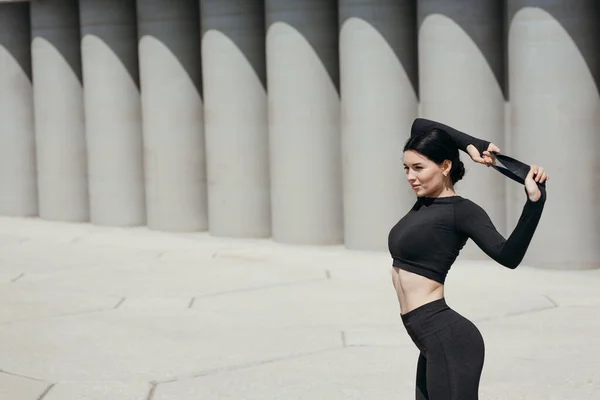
(487, 158)
(536, 175)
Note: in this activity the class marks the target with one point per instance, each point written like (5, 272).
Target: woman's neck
(445, 192)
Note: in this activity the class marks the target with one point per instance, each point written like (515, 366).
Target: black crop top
(428, 239)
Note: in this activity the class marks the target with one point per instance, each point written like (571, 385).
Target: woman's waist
(429, 318)
(435, 272)
(414, 290)
(414, 285)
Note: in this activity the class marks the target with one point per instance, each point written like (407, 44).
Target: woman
(427, 240)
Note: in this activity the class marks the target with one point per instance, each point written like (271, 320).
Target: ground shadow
(388, 18)
(317, 22)
(61, 30)
(15, 33)
(488, 37)
(115, 23)
(243, 22)
(568, 15)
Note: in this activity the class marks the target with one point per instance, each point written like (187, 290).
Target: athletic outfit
(427, 241)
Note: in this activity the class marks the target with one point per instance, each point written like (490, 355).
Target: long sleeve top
(428, 239)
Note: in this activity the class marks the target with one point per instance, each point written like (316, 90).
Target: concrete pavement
(90, 312)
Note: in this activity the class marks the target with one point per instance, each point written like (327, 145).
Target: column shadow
(58, 30)
(320, 30)
(384, 16)
(115, 23)
(567, 15)
(242, 21)
(169, 20)
(15, 34)
(468, 14)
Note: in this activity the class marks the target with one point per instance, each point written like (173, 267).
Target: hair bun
(457, 172)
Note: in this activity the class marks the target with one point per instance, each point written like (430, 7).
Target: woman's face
(425, 177)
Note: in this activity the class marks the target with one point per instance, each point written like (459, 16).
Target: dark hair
(437, 145)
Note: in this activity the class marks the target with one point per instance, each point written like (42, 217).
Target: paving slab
(103, 390)
(40, 256)
(348, 373)
(130, 277)
(18, 387)
(547, 355)
(17, 304)
(147, 345)
(91, 312)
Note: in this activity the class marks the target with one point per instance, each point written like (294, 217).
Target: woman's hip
(436, 321)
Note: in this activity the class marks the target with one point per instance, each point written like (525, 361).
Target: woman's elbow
(511, 264)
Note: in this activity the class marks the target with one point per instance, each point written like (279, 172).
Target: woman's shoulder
(466, 206)
(467, 213)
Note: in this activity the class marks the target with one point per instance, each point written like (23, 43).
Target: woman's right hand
(487, 159)
(536, 175)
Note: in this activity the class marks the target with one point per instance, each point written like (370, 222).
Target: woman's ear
(446, 167)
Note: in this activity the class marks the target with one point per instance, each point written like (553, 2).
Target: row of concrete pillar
(157, 112)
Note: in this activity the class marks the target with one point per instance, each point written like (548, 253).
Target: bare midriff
(414, 290)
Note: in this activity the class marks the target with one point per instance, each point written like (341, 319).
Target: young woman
(427, 240)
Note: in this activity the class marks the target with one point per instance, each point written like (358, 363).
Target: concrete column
(461, 77)
(112, 112)
(378, 74)
(170, 75)
(554, 68)
(18, 187)
(234, 70)
(59, 124)
(304, 121)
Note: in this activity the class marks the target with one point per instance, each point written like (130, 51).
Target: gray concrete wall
(307, 107)
(234, 71)
(555, 113)
(378, 75)
(461, 77)
(18, 186)
(170, 77)
(113, 112)
(304, 121)
(59, 122)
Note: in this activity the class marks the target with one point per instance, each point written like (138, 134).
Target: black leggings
(452, 352)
